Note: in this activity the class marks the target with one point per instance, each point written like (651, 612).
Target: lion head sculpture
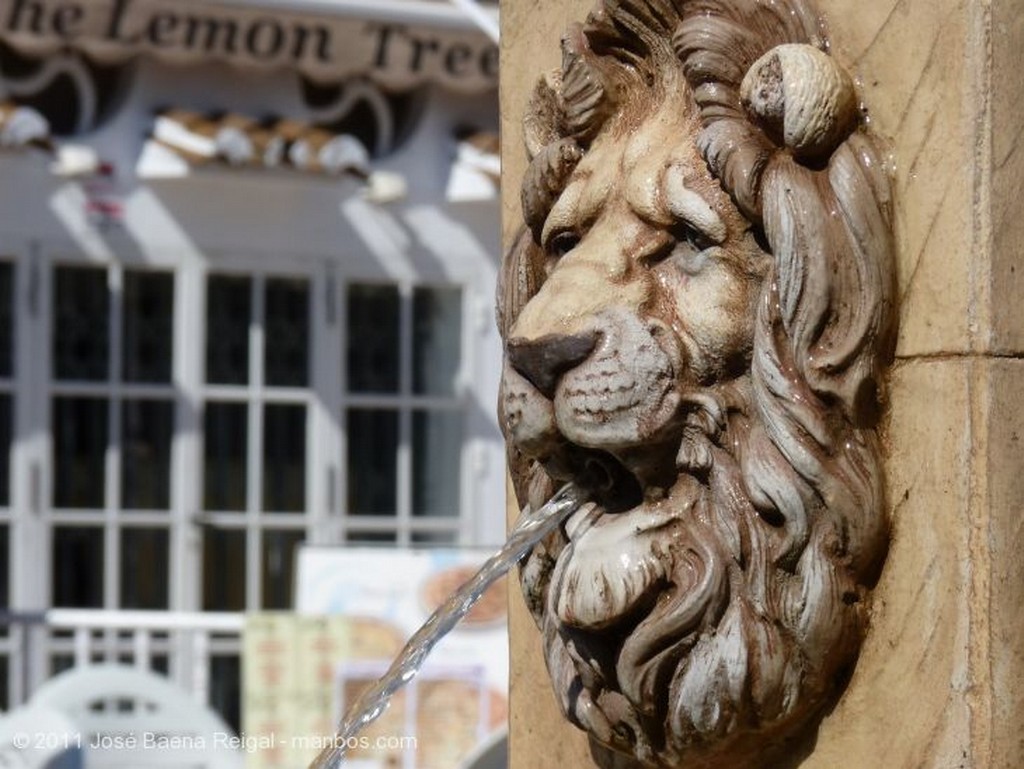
(697, 316)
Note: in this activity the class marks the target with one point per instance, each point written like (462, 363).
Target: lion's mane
(762, 617)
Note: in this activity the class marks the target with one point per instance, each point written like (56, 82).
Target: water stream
(529, 529)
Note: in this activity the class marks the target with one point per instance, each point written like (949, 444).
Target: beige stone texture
(910, 697)
(1007, 162)
(940, 681)
(1004, 529)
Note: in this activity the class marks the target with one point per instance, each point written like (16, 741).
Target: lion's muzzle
(611, 386)
(543, 360)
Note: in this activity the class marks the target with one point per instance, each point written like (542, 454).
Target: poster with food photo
(459, 700)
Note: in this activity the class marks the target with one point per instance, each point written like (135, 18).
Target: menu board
(357, 607)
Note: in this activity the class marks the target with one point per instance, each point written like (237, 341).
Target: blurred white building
(247, 258)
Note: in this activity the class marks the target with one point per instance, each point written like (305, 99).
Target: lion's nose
(542, 361)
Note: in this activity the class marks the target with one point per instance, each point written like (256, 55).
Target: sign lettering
(325, 48)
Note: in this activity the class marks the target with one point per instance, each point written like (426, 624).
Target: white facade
(209, 367)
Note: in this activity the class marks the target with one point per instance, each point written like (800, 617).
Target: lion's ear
(544, 121)
(803, 99)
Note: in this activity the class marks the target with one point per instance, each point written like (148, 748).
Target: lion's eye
(563, 243)
(695, 238)
(688, 250)
(660, 251)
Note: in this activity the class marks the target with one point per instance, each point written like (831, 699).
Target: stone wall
(940, 681)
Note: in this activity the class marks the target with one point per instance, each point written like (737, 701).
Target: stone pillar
(940, 680)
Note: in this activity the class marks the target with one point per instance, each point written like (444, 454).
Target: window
(392, 405)
(403, 413)
(208, 423)
(256, 431)
(112, 413)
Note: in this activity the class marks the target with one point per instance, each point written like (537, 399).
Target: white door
(179, 429)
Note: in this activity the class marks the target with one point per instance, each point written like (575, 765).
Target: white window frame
(32, 517)
(404, 525)
(256, 395)
(112, 518)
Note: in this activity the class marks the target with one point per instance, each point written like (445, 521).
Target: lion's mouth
(608, 483)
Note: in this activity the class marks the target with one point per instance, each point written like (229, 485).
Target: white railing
(186, 640)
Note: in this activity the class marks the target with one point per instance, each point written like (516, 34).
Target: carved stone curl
(697, 318)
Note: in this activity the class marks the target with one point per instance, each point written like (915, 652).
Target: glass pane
(5, 683)
(61, 662)
(226, 689)
(436, 446)
(373, 338)
(78, 567)
(228, 314)
(148, 326)
(79, 445)
(435, 537)
(372, 462)
(7, 319)
(278, 573)
(144, 568)
(146, 431)
(284, 458)
(371, 537)
(6, 435)
(437, 340)
(224, 468)
(287, 332)
(81, 330)
(223, 569)
(5, 568)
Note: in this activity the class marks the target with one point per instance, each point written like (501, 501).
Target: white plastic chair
(130, 719)
(39, 737)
